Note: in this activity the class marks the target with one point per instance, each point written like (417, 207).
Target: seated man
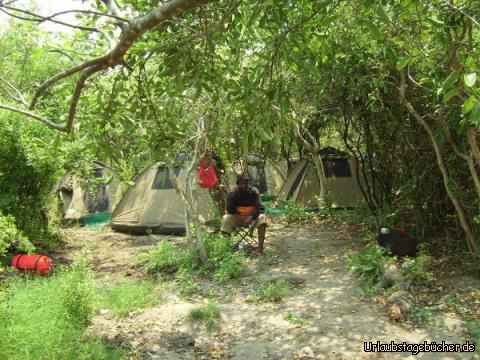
(245, 208)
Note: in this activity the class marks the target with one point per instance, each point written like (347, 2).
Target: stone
(306, 353)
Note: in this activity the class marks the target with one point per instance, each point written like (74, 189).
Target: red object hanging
(206, 175)
(41, 264)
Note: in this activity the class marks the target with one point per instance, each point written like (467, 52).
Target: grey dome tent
(265, 175)
(76, 201)
(153, 205)
(302, 183)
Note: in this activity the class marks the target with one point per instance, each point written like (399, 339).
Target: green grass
(271, 291)
(187, 284)
(223, 263)
(166, 257)
(295, 319)
(421, 316)
(473, 329)
(128, 295)
(209, 314)
(44, 318)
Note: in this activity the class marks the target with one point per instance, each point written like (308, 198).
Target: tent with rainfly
(153, 205)
(264, 173)
(343, 190)
(78, 202)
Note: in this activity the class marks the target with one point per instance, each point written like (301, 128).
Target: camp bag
(206, 175)
(40, 264)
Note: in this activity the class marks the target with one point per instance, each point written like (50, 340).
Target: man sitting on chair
(245, 208)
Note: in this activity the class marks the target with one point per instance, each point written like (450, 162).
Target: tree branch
(441, 164)
(39, 19)
(19, 97)
(134, 30)
(46, 121)
(49, 17)
(76, 95)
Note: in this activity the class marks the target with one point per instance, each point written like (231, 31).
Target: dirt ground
(335, 320)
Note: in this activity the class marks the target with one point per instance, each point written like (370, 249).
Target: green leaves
(470, 79)
(469, 104)
(383, 14)
(372, 28)
(475, 115)
(450, 80)
(450, 94)
(402, 62)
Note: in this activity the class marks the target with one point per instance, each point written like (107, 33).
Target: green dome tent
(153, 205)
(302, 183)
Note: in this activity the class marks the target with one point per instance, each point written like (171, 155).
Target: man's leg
(229, 224)
(262, 229)
(261, 225)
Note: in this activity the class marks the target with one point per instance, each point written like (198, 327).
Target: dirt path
(332, 322)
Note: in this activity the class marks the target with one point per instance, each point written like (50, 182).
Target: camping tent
(341, 185)
(265, 175)
(76, 201)
(153, 205)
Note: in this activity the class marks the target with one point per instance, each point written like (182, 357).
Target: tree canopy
(392, 82)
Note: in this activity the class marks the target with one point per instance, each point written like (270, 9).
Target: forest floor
(324, 317)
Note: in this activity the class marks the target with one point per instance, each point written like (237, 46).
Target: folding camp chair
(246, 236)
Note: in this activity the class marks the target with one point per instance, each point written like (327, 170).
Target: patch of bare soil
(323, 317)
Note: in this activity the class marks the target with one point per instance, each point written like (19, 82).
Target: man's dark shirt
(249, 197)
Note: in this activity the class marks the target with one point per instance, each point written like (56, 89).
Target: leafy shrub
(165, 257)
(222, 261)
(227, 264)
(78, 291)
(297, 214)
(39, 320)
(230, 267)
(416, 269)
(368, 265)
(9, 233)
(28, 174)
(209, 314)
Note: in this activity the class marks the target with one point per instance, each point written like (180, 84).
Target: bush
(41, 321)
(165, 257)
(227, 264)
(416, 269)
(224, 263)
(9, 234)
(297, 214)
(28, 174)
(368, 265)
(77, 285)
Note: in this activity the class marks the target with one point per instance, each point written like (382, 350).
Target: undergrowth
(44, 318)
(295, 213)
(128, 295)
(209, 314)
(222, 264)
(368, 266)
(271, 291)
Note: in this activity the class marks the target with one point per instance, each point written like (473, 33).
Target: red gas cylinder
(33, 263)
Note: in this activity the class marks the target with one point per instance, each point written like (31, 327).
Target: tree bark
(314, 149)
